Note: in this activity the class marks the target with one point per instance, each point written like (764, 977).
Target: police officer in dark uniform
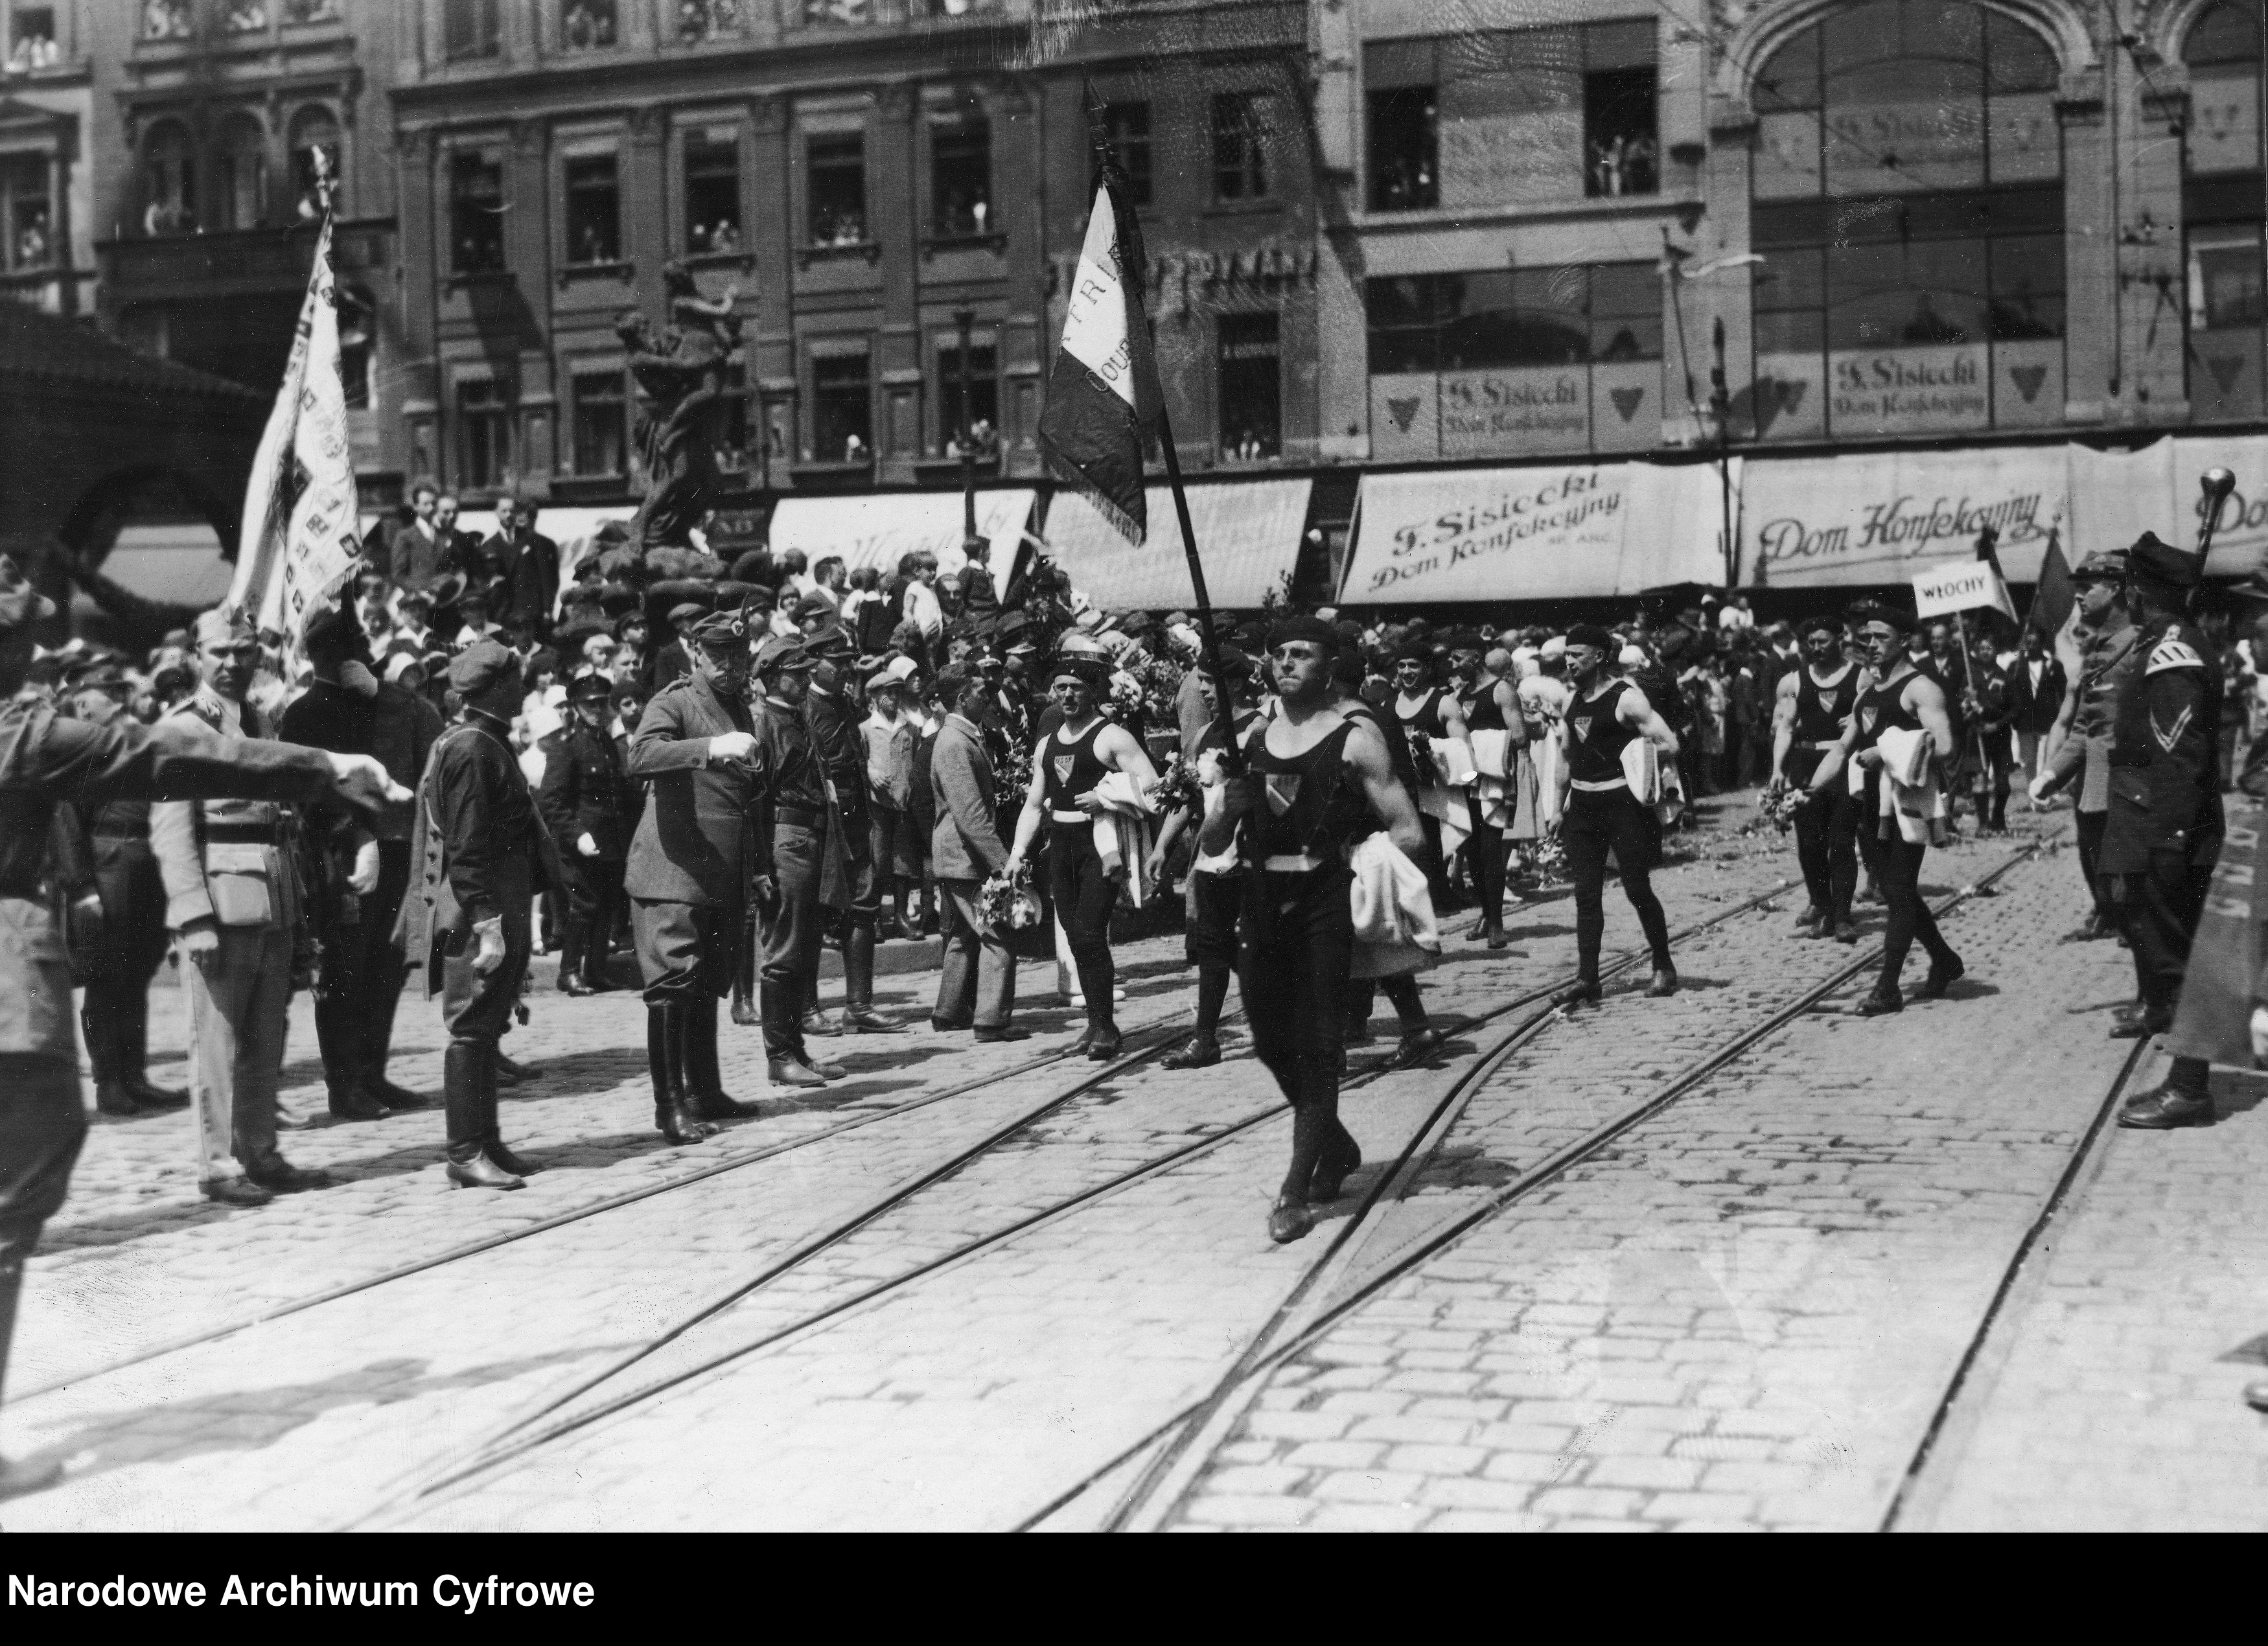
(46, 761)
(589, 806)
(2163, 833)
(834, 717)
(363, 862)
(116, 963)
(693, 748)
(480, 856)
(789, 868)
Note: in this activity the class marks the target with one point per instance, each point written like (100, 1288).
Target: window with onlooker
(476, 212)
(961, 177)
(1251, 388)
(484, 419)
(842, 409)
(835, 163)
(712, 191)
(699, 20)
(982, 405)
(29, 211)
(169, 181)
(470, 28)
(310, 10)
(168, 19)
(1126, 127)
(244, 17)
(1404, 130)
(32, 42)
(852, 12)
(1240, 158)
(1621, 143)
(594, 217)
(240, 173)
(585, 24)
(601, 423)
(313, 132)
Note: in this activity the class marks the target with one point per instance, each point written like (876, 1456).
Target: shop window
(836, 182)
(32, 39)
(469, 28)
(587, 25)
(1251, 388)
(853, 13)
(712, 194)
(1405, 149)
(484, 423)
(169, 183)
(697, 20)
(1240, 158)
(983, 389)
(310, 10)
(601, 423)
(27, 209)
(244, 17)
(1127, 127)
(168, 19)
(1618, 131)
(961, 177)
(239, 174)
(2223, 56)
(595, 218)
(476, 212)
(842, 409)
(314, 131)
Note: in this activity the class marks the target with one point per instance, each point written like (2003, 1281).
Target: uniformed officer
(46, 761)
(835, 715)
(116, 963)
(2163, 833)
(2082, 733)
(363, 862)
(588, 805)
(789, 869)
(479, 855)
(692, 749)
(232, 901)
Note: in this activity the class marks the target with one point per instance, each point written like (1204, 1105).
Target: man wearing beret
(685, 875)
(232, 903)
(2163, 835)
(480, 855)
(46, 761)
(363, 862)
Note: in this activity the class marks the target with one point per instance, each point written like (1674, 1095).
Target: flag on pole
(1988, 551)
(301, 543)
(2055, 605)
(1103, 395)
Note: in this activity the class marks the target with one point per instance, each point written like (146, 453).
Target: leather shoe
(1878, 1004)
(2140, 1026)
(281, 1177)
(1847, 931)
(381, 1090)
(865, 1020)
(1812, 915)
(572, 983)
(1199, 1051)
(1416, 1046)
(947, 1026)
(818, 1022)
(745, 1013)
(1586, 992)
(793, 1071)
(511, 1073)
(1288, 1220)
(826, 1068)
(480, 1172)
(1664, 983)
(1499, 938)
(719, 1106)
(504, 1159)
(111, 1098)
(1332, 1170)
(353, 1104)
(2161, 1109)
(234, 1192)
(18, 1479)
(1942, 977)
(1102, 1045)
(153, 1096)
(996, 1032)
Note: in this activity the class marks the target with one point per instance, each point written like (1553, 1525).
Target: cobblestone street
(985, 1287)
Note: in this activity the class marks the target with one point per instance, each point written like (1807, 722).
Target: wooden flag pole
(1224, 712)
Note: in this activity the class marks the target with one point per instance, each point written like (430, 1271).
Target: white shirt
(923, 609)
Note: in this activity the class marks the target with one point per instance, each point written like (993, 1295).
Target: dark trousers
(789, 937)
(1897, 873)
(1401, 993)
(1826, 845)
(1484, 850)
(1597, 823)
(117, 967)
(362, 978)
(2091, 826)
(594, 892)
(2158, 912)
(1084, 897)
(685, 950)
(1294, 980)
(979, 983)
(478, 1006)
(42, 1124)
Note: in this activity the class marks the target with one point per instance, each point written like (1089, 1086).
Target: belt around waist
(142, 835)
(801, 817)
(1822, 748)
(1299, 863)
(1071, 817)
(243, 834)
(1607, 787)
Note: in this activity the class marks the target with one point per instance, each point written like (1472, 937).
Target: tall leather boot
(597, 941)
(710, 1101)
(858, 1013)
(492, 1135)
(131, 1047)
(744, 978)
(464, 1086)
(786, 1061)
(673, 1109)
(110, 1096)
(335, 1033)
(15, 1479)
(571, 939)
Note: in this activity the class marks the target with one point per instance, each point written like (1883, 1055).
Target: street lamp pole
(1720, 407)
(965, 319)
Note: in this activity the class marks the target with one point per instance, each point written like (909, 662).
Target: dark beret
(481, 665)
(2152, 561)
(333, 632)
(1875, 611)
(1593, 636)
(756, 566)
(1822, 622)
(1314, 630)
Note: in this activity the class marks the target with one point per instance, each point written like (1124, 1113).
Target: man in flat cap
(479, 857)
(232, 903)
(363, 862)
(686, 873)
(46, 761)
(2081, 738)
(2163, 831)
(117, 961)
(588, 804)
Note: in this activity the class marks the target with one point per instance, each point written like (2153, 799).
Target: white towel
(1122, 834)
(1642, 770)
(1453, 761)
(1394, 931)
(1909, 789)
(1493, 753)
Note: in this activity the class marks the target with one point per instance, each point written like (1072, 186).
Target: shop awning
(1248, 533)
(173, 566)
(878, 529)
(1542, 533)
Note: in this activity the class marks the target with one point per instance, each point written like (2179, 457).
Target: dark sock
(2189, 1077)
(1212, 993)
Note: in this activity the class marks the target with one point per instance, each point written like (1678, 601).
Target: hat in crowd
(334, 632)
(92, 672)
(903, 667)
(1868, 611)
(2253, 587)
(447, 589)
(829, 640)
(481, 665)
(2150, 560)
(883, 680)
(19, 602)
(628, 618)
(782, 651)
(568, 638)
(223, 626)
(413, 597)
(755, 566)
(1072, 643)
(1591, 635)
(1138, 623)
(2104, 566)
(1821, 621)
(686, 611)
(812, 606)
(718, 629)
(589, 683)
(1312, 629)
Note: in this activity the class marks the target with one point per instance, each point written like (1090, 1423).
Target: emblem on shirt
(1283, 791)
(1063, 765)
(1868, 716)
(1580, 725)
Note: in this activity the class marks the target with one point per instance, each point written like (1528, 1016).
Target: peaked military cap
(2104, 566)
(782, 651)
(722, 629)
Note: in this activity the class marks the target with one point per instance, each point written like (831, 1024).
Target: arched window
(312, 129)
(169, 184)
(1909, 210)
(2223, 56)
(240, 173)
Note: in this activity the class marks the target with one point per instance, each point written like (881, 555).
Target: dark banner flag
(1102, 393)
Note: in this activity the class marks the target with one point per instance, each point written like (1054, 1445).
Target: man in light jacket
(978, 989)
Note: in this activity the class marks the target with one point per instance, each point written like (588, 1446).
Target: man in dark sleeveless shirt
(1599, 814)
(1421, 706)
(1486, 703)
(1902, 697)
(1814, 705)
(1314, 773)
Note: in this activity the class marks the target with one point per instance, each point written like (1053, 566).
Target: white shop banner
(1880, 517)
(1541, 533)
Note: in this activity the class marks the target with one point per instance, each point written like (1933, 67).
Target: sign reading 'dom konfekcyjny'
(1874, 518)
(1539, 533)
